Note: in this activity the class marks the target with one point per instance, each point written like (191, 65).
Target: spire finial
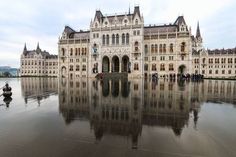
(129, 9)
(198, 34)
(25, 49)
(38, 46)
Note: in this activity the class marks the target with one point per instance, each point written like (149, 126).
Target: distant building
(38, 63)
(12, 72)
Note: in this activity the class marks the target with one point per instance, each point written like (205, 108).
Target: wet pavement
(86, 117)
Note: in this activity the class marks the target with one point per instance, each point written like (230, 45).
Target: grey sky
(42, 21)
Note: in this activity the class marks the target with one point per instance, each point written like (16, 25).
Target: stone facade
(122, 43)
(38, 63)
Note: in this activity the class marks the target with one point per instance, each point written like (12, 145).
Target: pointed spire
(129, 9)
(25, 49)
(198, 34)
(38, 46)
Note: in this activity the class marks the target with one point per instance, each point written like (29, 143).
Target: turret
(25, 50)
(198, 33)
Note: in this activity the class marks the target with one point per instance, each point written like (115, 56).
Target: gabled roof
(180, 20)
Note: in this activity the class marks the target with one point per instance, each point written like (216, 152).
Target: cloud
(43, 21)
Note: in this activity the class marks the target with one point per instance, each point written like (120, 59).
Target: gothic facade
(122, 43)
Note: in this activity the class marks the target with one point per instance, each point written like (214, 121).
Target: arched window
(77, 68)
(146, 67)
(71, 52)
(183, 46)
(136, 21)
(63, 51)
(164, 48)
(154, 67)
(79, 50)
(107, 39)
(103, 40)
(123, 39)
(117, 39)
(171, 48)
(76, 51)
(162, 68)
(156, 49)
(160, 48)
(82, 51)
(71, 67)
(84, 68)
(136, 46)
(146, 49)
(152, 48)
(127, 38)
(136, 66)
(113, 39)
(171, 67)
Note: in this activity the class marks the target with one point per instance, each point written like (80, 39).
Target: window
(223, 71)
(171, 67)
(63, 51)
(154, 68)
(146, 67)
(117, 39)
(183, 47)
(152, 48)
(136, 66)
(107, 39)
(127, 38)
(203, 71)
(113, 39)
(103, 39)
(136, 22)
(162, 67)
(136, 46)
(216, 71)
(71, 52)
(123, 39)
(134, 32)
(71, 67)
(210, 71)
(229, 72)
(146, 49)
(164, 48)
(77, 68)
(156, 48)
(84, 68)
(171, 48)
(160, 48)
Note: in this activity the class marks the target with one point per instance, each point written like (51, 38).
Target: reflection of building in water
(166, 104)
(73, 99)
(38, 88)
(121, 107)
(214, 91)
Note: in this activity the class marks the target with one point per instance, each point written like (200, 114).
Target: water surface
(86, 117)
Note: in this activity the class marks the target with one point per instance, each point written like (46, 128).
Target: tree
(6, 74)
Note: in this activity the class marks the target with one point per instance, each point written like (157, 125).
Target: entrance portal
(125, 64)
(115, 64)
(182, 69)
(105, 64)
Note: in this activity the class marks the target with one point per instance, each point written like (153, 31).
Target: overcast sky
(32, 21)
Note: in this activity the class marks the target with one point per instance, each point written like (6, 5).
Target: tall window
(84, 68)
(117, 39)
(152, 48)
(162, 68)
(113, 39)
(171, 67)
(127, 38)
(63, 51)
(71, 52)
(156, 48)
(160, 48)
(146, 49)
(103, 40)
(123, 39)
(171, 48)
(77, 68)
(136, 46)
(107, 39)
(71, 67)
(183, 46)
(154, 67)
(164, 48)
(136, 66)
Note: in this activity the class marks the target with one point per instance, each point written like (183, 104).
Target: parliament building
(124, 44)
